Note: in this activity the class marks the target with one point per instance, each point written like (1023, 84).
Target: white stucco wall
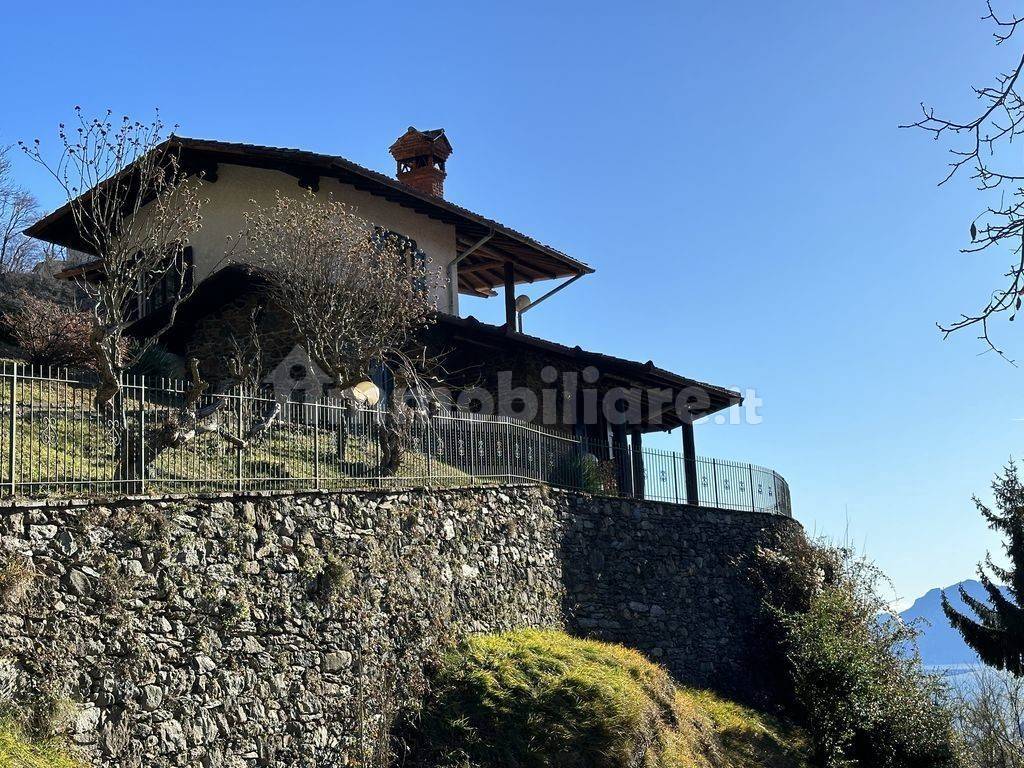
(236, 185)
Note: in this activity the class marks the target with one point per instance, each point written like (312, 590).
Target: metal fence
(56, 443)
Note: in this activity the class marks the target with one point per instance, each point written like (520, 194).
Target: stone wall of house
(284, 629)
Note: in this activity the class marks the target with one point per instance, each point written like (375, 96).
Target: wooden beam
(466, 291)
(510, 295)
(637, 444)
(479, 289)
(523, 269)
(481, 266)
(622, 460)
(690, 464)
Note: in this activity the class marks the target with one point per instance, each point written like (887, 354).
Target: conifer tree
(996, 632)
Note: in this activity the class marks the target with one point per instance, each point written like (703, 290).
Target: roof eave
(44, 228)
(720, 397)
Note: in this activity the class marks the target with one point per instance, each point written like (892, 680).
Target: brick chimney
(420, 156)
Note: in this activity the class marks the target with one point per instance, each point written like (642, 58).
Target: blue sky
(734, 173)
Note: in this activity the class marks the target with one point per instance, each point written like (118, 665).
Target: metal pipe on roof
(548, 295)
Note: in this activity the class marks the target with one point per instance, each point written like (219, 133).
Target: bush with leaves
(159, 362)
(857, 680)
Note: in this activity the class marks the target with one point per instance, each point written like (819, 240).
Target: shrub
(585, 472)
(537, 699)
(157, 361)
(49, 332)
(14, 285)
(865, 700)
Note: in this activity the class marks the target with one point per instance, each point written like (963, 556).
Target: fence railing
(56, 443)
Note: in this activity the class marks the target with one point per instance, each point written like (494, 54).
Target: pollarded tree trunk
(128, 438)
(392, 448)
(342, 433)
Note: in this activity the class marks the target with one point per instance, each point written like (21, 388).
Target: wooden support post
(510, 295)
(690, 464)
(620, 455)
(637, 443)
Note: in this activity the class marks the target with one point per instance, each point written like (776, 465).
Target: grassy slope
(61, 438)
(533, 698)
(15, 752)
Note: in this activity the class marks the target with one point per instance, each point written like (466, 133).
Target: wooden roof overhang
(637, 379)
(479, 272)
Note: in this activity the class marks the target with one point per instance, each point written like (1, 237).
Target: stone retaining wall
(285, 629)
(674, 582)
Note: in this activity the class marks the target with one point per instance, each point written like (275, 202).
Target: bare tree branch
(357, 296)
(134, 209)
(980, 144)
(18, 209)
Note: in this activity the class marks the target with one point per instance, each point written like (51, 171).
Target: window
(414, 256)
(175, 281)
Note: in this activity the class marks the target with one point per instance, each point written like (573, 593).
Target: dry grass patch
(17, 752)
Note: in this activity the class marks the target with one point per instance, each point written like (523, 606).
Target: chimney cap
(416, 142)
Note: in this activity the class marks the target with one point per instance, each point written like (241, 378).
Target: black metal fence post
(316, 443)
(430, 446)
(142, 433)
(753, 501)
(12, 444)
(472, 451)
(675, 477)
(238, 450)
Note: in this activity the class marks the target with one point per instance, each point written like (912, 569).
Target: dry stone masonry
(286, 629)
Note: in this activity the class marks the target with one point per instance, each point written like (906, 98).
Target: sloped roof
(631, 372)
(479, 273)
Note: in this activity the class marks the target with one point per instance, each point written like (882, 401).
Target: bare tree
(134, 209)
(990, 718)
(356, 294)
(982, 145)
(18, 209)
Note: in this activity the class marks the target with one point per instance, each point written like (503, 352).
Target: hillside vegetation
(541, 698)
(860, 690)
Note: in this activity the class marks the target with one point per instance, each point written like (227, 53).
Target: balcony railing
(56, 443)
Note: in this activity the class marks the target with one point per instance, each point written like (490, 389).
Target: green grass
(533, 699)
(16, 752)
(61, 440)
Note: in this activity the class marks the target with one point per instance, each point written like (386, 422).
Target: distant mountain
(940, 644)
